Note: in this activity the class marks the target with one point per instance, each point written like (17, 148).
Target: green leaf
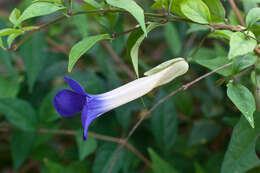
(215, 63)
(160, 165)
(160, 4)
(34, 57)
(1, 43)
(243, 99)
(164, 124)
(93, 3)
(9, 87)
(241, 155)
(216, 9)
(133, 8)
(105, 157)
(196, 10)
(21, 145)
(8, 31)
(176, 7)
(38, 9)
(173, 39)
(242, 62)
(19, 113)
(83, 46)
(135, 47)
(240, 44)
(11, 38)
(5, 59)
(203, 132)
(15, 14)
(85, 148)
(253, 16)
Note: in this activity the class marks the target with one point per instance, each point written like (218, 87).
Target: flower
(68, 103)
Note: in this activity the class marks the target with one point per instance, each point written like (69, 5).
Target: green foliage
(253, 16)
(81, 47)
(133, 8)
(216, 9)
(243, 99)
(160, 165)
(196, 10)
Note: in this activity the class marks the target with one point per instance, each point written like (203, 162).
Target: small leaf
(135, 47)
(19, 113)
(85, 148)
(21, 146)
(133, 8)
(160, 165)
(242, 62)
(8, 31)
(253, 16)
(241, 155)
(82, 47)
(217, 10)
(93, 3)
(240, 44)
(15, 14)
(38, 9)
(11, 38)
(196, 10)
(243, 99)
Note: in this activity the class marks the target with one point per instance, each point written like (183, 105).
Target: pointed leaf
(38, 9)
(196, 10)
(253, 16)
(217, 10)
(82, 47)
(15, 14)
(133, 8)
(243, 99)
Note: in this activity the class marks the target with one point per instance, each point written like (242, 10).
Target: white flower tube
(68, 102)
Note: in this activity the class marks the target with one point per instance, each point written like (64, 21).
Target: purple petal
(75, 86)
(67, 102)
(86, 119)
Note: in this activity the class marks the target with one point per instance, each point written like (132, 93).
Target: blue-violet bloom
(68, 103)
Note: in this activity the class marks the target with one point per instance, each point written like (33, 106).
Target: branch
(237, 12)
(4, 128)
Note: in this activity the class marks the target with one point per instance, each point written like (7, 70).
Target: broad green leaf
(176, 7)
(21, 146)
(8, 31)
(253, 16)
(240, 44)
(19, 113)
(56, 167)
(242, 62)
(135, 48)
(38, 9)
(9, 87)
(215, 63)
(226, 34)
(15, 14)
(203, 132)
(241, 155)
(216, 9)
(243, 99)
(173, 39)
(196, 10)
(5, 59)
(83, 46)
(133, 8)
(93, 3)
(85, 148)
(53, 1)
(164, 124)
(160, 165)
(104, 158)
(34, 57)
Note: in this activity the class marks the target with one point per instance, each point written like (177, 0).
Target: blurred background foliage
(189, 132)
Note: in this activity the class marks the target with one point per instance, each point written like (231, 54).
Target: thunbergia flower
(68, 103)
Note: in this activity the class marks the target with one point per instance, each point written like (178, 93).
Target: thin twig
(237, 12)
(182, 88)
